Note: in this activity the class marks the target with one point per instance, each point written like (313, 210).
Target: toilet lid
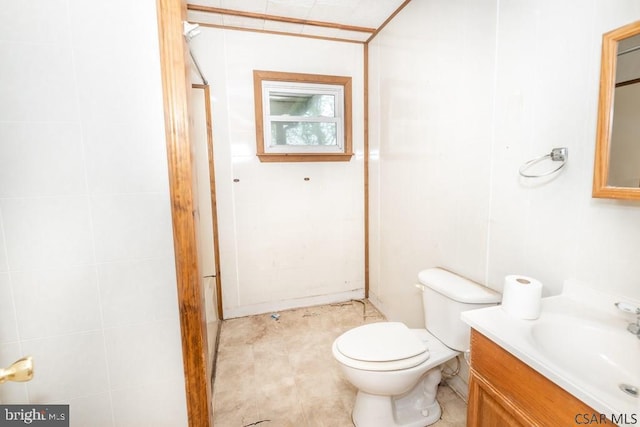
(380, 342)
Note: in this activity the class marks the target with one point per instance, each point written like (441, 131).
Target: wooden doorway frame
(176, 87)
(212, 196)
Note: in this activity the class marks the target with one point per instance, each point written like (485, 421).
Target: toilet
(396, 369)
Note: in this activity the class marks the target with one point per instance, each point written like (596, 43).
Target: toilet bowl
(396, 369)
(378, 380)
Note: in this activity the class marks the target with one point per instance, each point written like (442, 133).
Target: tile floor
(281, 373)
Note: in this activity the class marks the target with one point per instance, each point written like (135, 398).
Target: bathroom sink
(584, 348)
(581, 345)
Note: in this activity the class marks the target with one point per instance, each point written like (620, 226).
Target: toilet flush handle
(420, 286)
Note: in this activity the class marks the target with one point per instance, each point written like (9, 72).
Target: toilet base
(416, 408)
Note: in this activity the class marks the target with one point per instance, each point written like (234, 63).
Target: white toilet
(396, 369)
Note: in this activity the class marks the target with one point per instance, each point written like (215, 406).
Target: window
(302, 117)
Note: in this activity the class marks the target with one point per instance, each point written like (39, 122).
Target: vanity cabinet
(504, 391)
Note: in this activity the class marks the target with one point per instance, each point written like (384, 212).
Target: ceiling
(350, 20)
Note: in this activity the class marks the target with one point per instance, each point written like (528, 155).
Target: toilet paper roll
(522, 296)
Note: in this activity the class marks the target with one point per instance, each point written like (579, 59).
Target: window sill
(297, 157)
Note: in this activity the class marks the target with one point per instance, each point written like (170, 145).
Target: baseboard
(270, 307)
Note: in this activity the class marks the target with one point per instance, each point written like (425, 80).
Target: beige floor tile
(328, 412)
(240, 352)
(234, 375)
(454, 410)
(280, 402)
(280, 373)
(234, 409)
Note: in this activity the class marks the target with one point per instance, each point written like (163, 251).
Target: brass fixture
(21, 370)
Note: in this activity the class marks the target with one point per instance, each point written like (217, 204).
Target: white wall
(431, 73)
(87, 279)
(462, 93)
(284, 241)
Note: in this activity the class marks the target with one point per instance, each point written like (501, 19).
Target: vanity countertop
(586, 351)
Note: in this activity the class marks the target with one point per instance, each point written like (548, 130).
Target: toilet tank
(445, 295)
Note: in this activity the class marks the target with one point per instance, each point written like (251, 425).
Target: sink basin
(581, 345)
(606, 354)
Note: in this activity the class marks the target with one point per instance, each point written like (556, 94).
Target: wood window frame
(317, 79)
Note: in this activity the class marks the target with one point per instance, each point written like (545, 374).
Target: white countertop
(597, 389)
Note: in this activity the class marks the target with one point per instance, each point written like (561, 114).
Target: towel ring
(556, 155)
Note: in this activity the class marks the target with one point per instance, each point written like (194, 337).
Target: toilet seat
(383, 346)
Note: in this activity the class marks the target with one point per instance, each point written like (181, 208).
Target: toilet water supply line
(453, 373)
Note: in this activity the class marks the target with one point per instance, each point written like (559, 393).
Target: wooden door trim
(365, 54)
(176, 87)
(212, 186)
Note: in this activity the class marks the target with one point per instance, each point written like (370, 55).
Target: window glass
(303, 133)
(299, 104)
(302, 115)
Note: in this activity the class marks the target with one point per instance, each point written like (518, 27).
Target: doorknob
(21, 370)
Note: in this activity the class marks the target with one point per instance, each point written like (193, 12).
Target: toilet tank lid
(458, 288)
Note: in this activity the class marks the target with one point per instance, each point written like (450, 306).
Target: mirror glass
(624, 160)
(617, 163)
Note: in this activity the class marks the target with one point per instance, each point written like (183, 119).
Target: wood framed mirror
(617, 158)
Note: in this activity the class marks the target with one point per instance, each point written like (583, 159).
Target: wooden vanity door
(487, 409)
